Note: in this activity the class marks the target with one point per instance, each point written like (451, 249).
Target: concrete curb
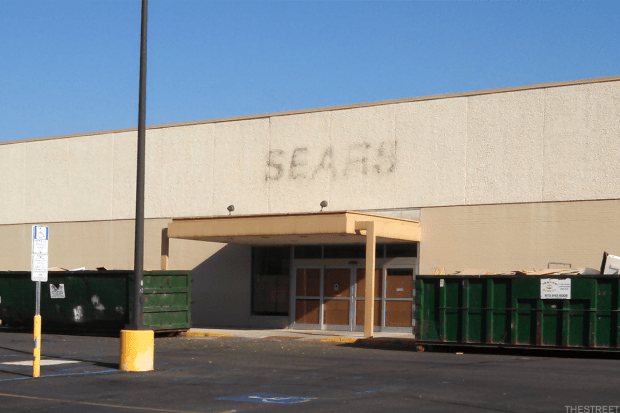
(339, 340)
(206, 334)
(333, 337)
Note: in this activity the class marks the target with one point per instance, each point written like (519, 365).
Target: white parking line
(44, 362)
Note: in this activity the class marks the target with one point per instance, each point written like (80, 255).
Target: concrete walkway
(291, 334)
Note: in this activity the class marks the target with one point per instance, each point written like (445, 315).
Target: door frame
(398, 266)
(321, 298)
(321, 265)
(293, 301)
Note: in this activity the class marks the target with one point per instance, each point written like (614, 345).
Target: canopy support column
(369, 299)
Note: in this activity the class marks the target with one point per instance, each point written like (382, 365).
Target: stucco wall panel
(12, 184)
(15, 247)
(582, 142)
(124, 175)
(154, 161)
(365, 158)
(239, 167)
(505, 147)
(92, 244)
(90, 163)
(46, 177)
(518, 236)
(431, 148)
(187, 171)
(300, 156)
(221, 286)
(547, 144)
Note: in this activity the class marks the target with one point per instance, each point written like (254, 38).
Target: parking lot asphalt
(220, 373)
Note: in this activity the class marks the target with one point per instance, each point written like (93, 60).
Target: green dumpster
(96, 302)
(520, 311)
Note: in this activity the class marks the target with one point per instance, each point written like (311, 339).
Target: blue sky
(69, 66)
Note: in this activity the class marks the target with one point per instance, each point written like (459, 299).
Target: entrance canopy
(298, 229)
(295, 229)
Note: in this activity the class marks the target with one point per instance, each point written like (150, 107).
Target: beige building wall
(88, 244)
(532, 145)
(502, 238)
(491, 173)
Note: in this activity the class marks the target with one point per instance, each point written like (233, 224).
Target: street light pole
(139, 227)
(138, 343)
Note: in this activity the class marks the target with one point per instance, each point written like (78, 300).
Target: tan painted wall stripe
(352, 211)
(333, 108)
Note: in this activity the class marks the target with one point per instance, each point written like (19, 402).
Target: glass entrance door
(308, 297)
(337, 298)
(398, 299)
(393, 299)
(360, 301)
(323, 298)
(333, 298)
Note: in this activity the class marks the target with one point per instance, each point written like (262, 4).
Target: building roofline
(334, 108)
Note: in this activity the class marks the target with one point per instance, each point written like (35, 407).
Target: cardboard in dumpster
(611, 264)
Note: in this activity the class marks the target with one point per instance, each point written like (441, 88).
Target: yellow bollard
(36, 364)
(137, 350)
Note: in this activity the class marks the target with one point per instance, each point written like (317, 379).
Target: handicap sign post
(38, 273)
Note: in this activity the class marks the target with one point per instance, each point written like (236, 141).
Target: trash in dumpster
(611, 264)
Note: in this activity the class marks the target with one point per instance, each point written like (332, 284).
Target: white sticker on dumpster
(555, 289)
(57, 292)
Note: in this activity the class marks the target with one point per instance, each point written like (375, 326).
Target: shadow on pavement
(399, 345)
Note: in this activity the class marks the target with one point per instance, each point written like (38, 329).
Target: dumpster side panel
(498, 291)
(452, 321)
(525, 302)
(95, 302)
(579, 306)
(578, 323)
(167, 300)
(428, 312)
(17, 296)
(509, 310)
(475, 295)
(551, 322)
(604, 304)
(85, 302)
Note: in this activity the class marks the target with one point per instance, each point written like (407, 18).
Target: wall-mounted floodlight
(323, 205)
(230, 209)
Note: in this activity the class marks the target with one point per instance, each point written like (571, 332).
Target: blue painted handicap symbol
(41, 232)
(267, 398)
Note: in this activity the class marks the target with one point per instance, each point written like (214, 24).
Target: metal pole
(36, 353)
(139, 237)
(37, 308)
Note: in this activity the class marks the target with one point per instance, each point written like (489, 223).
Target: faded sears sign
(362, 158)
